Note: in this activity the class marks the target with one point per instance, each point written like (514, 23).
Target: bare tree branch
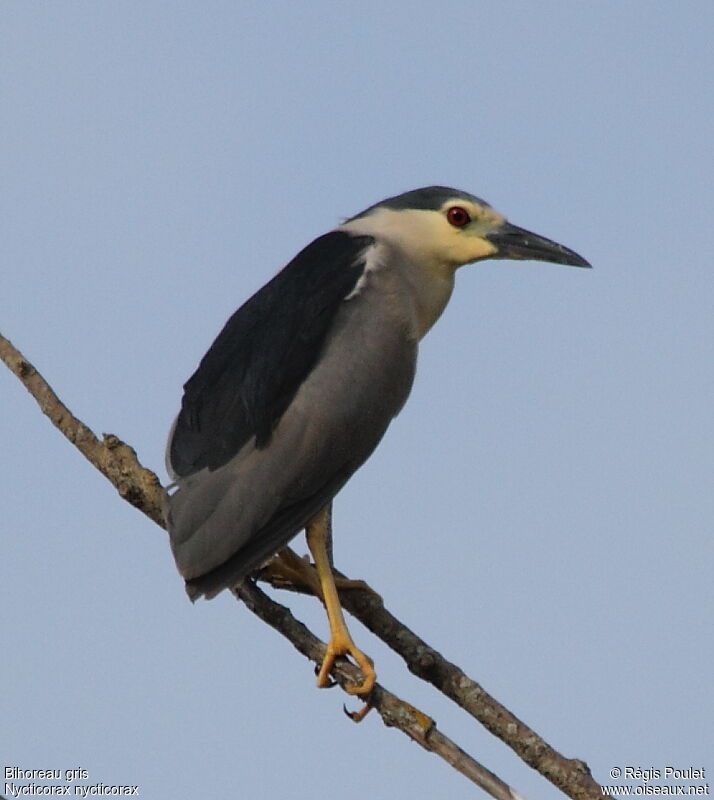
(395, 713)
(114, 459)
(139, 486)
(571, 775)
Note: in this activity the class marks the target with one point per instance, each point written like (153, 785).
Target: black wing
(252, 371)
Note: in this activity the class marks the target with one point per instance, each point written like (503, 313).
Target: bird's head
(450, 228)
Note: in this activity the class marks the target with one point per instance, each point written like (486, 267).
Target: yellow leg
(318, 536)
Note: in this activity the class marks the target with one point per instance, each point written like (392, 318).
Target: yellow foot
(343, 646)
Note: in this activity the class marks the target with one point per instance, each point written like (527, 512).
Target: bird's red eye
(458, 216)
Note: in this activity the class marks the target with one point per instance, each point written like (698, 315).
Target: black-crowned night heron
(304, 379)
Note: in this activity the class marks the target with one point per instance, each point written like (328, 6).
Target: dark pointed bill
(518, 243)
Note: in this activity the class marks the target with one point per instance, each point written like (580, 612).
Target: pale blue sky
(542, 509)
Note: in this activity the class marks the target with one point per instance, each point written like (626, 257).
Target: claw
(329, 684)
(357, 716)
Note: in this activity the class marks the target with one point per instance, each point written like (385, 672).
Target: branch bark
(395, 713)
(571, 775)
(114, 459)
(141, 487)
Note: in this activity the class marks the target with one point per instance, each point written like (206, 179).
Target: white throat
(429, 280)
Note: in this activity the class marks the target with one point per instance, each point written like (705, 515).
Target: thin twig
(139, 486)
(395, 713)
(572, 776)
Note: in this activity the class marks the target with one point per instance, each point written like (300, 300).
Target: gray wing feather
(225, 522)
